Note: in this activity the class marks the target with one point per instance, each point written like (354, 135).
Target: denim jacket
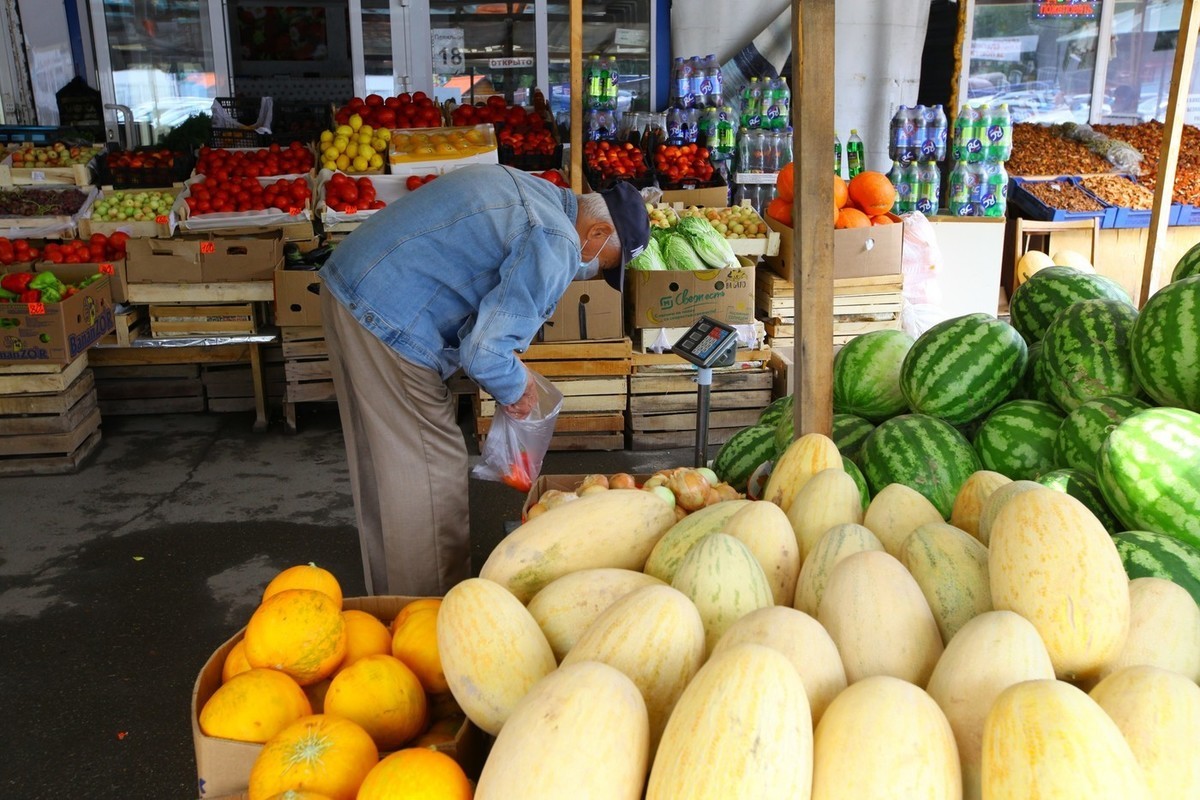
(462, 272)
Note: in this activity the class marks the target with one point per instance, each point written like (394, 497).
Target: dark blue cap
(628, 212)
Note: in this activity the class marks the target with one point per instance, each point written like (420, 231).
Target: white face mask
(590, 269)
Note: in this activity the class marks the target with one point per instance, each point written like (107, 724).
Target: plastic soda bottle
(855, 155)
(611, 82)
(676, 120)
(906, 192)
(926, 138)
(753, 117)
(999, 133)
(785, 146)
(691, 126)
(941, 129)
(779, 109)
(896, 176)
(995, 189)
(975, 148)
(896, 137)
(929, 186)
(837, 156)
(683, 82)
(963, 129)
(699, 79)
(726, 133)
(594, 80)
(976, 187)
(715, 88)
(960, 192)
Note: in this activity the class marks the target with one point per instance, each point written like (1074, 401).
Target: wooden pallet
(49, 433)
(579, 359)
(203, 320)
(130, 324)
(150, 389)
(40, 378)
(662, 405)
(230, 387)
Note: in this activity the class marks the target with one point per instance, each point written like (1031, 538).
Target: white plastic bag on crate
(515, 448)
(223, 119)
(921, 267)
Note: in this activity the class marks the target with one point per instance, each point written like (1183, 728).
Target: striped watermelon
(742, 454)
(1017, 439)
(1024, 390)
(778, 408)
(923, 453)
(962, 368)
(854, 472)
(1037, 301)
(866, 375)
(785, 433)
(1166, 345)
(1189, 264)
(1039, 377)
(1082, 487)
(1086, 353)
(1153, 555)
(1085, 429)
(849, 432)
(1150, 472)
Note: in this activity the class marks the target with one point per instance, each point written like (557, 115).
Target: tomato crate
(144, 177)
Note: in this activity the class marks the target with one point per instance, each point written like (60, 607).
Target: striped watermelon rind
(849, 433)
(1083, 432)
(743, 453)
(1017, 439)
(921, 452)
(1037, 301)
(1146, 554)
(1082, 487)
(1188, 265)
(1150, 473)
(962, 368)
(1086, 353)
(785, 433)
(864, 492)
(866, 375)
(779, 407)
(1165, 345)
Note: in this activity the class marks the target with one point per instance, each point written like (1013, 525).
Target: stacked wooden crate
(860, 305)
(663, 398)
(593, 377)
(306, 369)
(230, 387)
(49, 419)
(125, 389)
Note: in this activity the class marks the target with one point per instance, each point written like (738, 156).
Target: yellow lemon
(330, 153)
(352, 149)
(363, 138)
(367, 129)
(344, 130)
(366, 151)
(356, 122)
(378, 144)
(361, 164)
(326, 137)
(343, 161)
(329, 165)
(376, 161)
(340, 143)
(384, 133)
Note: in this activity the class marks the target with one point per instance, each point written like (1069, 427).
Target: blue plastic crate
(1185, 215)
(1119, 216)
(1018, 195)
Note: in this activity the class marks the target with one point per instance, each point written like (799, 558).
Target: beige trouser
(408, 462)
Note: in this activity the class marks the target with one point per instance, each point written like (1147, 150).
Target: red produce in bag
(515, 448)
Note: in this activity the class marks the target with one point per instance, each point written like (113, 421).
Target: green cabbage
(679, 254)
(649, 259)
(710, 246)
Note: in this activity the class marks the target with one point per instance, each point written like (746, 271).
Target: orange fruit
(415, 643)
(235, 662)
(882, 219)
(383, 696)
(780, 210)
(305, 576)
(415, 605)
(416, 774)
(322, 754)
(784, 183)
(840, 193)
(872, 192)
(298, 631)
(365, 636)
(852, 218)
(254, 706)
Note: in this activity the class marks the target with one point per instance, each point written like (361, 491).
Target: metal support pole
(704, 382)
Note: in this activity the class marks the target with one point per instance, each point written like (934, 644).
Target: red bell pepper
(30, 296)
(17, 281)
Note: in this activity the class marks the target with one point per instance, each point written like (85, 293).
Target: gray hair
(593, 207)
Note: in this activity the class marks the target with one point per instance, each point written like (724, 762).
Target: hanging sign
(1000, 49)
(510, 63)
(1066, 8)
(448, 51)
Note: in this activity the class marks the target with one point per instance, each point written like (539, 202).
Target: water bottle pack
(978, 189)
(918, 134)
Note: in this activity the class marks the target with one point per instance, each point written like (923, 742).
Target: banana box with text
(57, 333)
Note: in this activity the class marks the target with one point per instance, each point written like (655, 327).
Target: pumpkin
(297, 631)
(305, 576)
(416, 774)
(415, 643)
(365, 636)
(383, 696)
(235, 661)
(413, 607)
(321, 753)
(253, 706)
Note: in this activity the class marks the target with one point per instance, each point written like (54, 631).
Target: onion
(622, 480)
(592, 480)
(709, 475)
(666, 494)
(690, 488)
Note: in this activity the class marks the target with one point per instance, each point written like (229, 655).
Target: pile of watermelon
(1081, 393)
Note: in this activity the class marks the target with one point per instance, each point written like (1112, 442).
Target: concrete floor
(118, 582)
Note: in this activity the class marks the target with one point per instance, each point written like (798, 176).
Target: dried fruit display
(1120, 191)
(1062, 195)
(1147, 138)
(1038, 151)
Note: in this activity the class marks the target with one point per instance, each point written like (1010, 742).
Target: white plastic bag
(921, 265)
(515, 448)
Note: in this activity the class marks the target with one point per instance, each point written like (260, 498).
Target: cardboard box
(204, 259)
(115, 270)
(223, 765)
(588, 310)
(716, 196)
(297, 297)
(857, 252)
(677, 298)
(57, 333)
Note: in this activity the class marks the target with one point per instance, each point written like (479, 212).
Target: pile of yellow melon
(325, 690)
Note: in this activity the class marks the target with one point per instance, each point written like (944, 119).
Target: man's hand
(527, 402)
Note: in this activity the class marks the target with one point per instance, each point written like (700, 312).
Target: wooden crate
(149, 389)
(229, 388)
(860, 305)
(662, 404)
(592, 416)
(306, 368)
(580, 359)
(49, 433)
(227, 292)
(130, 324)
(230, 319)
(18, 379)
(576, 432)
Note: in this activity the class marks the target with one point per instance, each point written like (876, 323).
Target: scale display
(708, 343)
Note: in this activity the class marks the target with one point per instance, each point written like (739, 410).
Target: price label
(449, 46)
(162, 219)
(106, 269)
(37, 176)
(208, 248)
(36, 309)
(294, 211)
(350, 210)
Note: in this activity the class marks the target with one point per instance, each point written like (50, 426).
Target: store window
(483, 49)
(1141, 59)
(618, 28)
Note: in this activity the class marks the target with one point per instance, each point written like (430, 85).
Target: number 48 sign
(448, 47)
